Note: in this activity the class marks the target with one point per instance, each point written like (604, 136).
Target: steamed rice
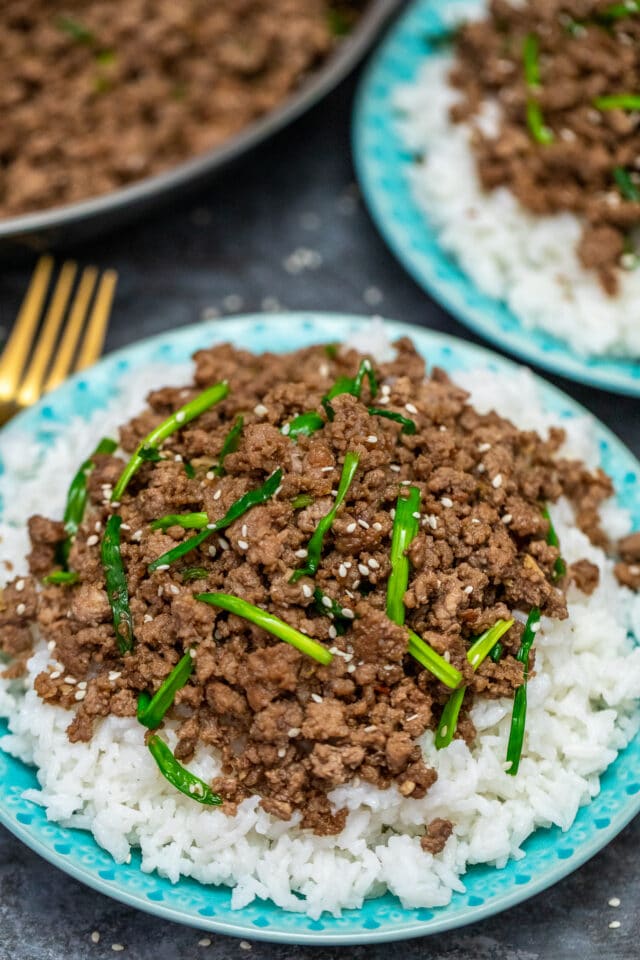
(528, 262)
(582, 711)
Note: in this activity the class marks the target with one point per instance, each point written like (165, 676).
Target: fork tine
(73, 329)
(31, 386)
(19, 343)
(97, 325)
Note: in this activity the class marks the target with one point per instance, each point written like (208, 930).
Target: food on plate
(526, 130)
(315, 608)
(96, 95)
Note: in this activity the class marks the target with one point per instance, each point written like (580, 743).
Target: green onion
(189, 469)
(188, 521)
(151, 711)
(150, 455)
(267, 621)
(116, 581)
(303, 425)
(618, 11)
(433, 662)
(229, 445)
(314, 547)
(531, 61)
(176, 421)
(618, 101)
(302, 500)
(76, 30)
(77, 496)
(479, 650)
(559, 567)
(251, 499)
(497, 652)
(408, 426)
(405, 528)
(193, 573)
(626, 186)
(63, 577)
(519, 715)
(331, 350)
(352, 385)
(178, 776)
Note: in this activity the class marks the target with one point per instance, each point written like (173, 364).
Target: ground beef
(96, 94)
(285, 727)
(583, 54)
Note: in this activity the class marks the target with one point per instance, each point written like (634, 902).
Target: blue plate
(383, 162)
(550, 854)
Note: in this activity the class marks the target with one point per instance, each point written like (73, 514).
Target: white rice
(581, 712)
(529, 262)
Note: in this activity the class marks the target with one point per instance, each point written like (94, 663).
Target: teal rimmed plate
(382, 163)
(550, 854)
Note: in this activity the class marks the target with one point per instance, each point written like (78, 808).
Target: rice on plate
(582, 710)
(528, 261)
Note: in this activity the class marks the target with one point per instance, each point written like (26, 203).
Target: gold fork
(47, 344)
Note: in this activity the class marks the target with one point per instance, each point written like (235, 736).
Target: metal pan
(78, 221)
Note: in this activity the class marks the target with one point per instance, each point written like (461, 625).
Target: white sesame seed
(114, 675)
(372, 438)
(117, 947)
(447, 656)
(51, 645)
(373, 563)
(351, 527)
(19, 586)
(205, 942)
(137, 535)
(414, 716)
(80, 694)
(443, 429)
(370, 728)
(282, 752)
(82, 685)
(483, 447)
(174, 589)
(333, 633)
(385, 389)
(348, 564)
(409, 407)
(316, 698)
(98, 526)
(302, 553)
(293, 732)
(92, 540)
(446, 501)
(395, 467)
(481, 468)
(244, 531)
(245, 945)
(326, 602)
(95, 937)
(506, 518)
(475, 520)
(54, 674)
(497, 481)
(351, 668)
(212, 550)
(614, 924)
(349, 614)
(334, 493)
(416, 515)
(342, 570)
(180, 416)
(217, 494)
(286, 429)
(614, 902)
(535, 627)
(364, 570)
(160, 590)
(209, 475)
(70, 680)
(377, 526)
(383, 400)
(223, 544)
(363, 524)
(326, 469)
(432, 520)
(243, 544)
(468, 589)
(260, 410)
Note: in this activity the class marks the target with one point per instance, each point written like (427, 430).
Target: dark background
(227, 250)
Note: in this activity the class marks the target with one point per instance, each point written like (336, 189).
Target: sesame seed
(409, 407)
(363, 569)
(245, 945)
(114, 675)
(243, 544)
(286, 430)
(80, 694)
(377, 526)
(349, 614)
(386, 389)
(209, 475)
(363, 524)
(260, 410)
(395, 467)
(342, 570)
(217, 494)
(614, 924)
(373, 563)
(497, 481)
(483, 447)
(475, 520)
(175, 590)
(316, 698)
(468, 589)
(70, 680)
(416, 515)
(481, 468)
(351, 668)
(370, 728)
(326, 469)
(180, 416)
(614, 902)
(351, 527)
(137, 535)
(293, 732)
(92, 540)
(443, 429)
(244, 530)
(383, 400)
(282, 752)
(446, 501)
(302, 553)
(447, 656)
(535, 627)
(334, 493)
(117, 947)
(95, 937)
(51, 645)
(160, 590)
(54, 674)
(82, 685)
(306, 590)
(19, 586)
(348, 564)
(205, 942)
(414, 716)
(372, 438)
(98, 526)
(223, 544)
(333, 633)
(326, 602)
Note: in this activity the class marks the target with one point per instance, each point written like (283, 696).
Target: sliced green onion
(229, 445)
(531, 61)
(559, 567)
(267, 621)
(303, 425)
(176, 421)
(314, 547)
(251, 499)
(151, 711)
(189, 469)
(193, 573)
(331, 350)
(116, 582)
(352, 385)
(150, 455)
(519, 715)
(626, 186)
(63, 577)
(433, 662)
(302, 500)
(408, 426)
(188, 521)
(618, 11)
(618, 101)
(497, 652)
(479, 650)
(405, 528)
(178, 776)
(77, 495)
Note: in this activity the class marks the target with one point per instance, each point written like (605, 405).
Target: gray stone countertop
(285, 228)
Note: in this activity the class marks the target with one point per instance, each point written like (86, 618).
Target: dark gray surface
(233, 241)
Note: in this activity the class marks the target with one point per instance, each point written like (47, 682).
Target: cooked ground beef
(286, 727)
(583, 55)
(95, 94)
